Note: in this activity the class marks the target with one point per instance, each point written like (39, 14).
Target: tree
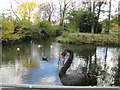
(7, 28)
(109, 17)
(1, 18)
(95, 7)
(46, 11)
(113, 24)
(27, 10)
(63, 6)
(45, 28)
(82, 18)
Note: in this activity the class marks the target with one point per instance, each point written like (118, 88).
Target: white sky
(5, 4)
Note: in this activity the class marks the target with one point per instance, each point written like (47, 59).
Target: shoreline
(90, 39)
(80, 39)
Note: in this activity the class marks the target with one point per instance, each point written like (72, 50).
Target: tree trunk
(99, 9)
(93, 10)
(49, 17)
(109, 17)
(63, 11)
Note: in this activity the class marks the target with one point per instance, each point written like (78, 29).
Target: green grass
(87, 38)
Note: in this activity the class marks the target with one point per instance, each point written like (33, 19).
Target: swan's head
(64, 53)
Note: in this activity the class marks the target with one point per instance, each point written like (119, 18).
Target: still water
(27, 67)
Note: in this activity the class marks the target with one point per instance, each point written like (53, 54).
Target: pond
(25, 66)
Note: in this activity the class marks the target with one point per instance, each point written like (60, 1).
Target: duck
(45, 58)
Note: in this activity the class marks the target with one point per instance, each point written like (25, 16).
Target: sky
(5, 4)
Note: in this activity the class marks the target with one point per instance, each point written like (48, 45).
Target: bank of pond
(88, 38)
(79, 38)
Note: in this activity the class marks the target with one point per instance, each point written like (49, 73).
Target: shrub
(81, 19)
(15, 29)
(23, 26)
(58, 30)
(98, 28)
(7, 28)
(45, 28)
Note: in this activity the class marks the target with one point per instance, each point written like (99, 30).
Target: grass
(87, 38)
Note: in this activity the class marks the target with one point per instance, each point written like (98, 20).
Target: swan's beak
(63, 57)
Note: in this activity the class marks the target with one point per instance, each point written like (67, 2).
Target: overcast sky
(5, 4)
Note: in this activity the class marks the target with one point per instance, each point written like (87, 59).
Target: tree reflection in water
(26, 66)
(102, 61)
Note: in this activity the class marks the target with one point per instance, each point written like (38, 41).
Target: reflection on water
(26, 66)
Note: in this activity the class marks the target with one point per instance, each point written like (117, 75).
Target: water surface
(27, 67)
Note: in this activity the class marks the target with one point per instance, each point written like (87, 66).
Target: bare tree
(46, 11)
(63, 6)
(13, 11)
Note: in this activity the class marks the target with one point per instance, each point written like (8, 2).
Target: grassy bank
(87, 38)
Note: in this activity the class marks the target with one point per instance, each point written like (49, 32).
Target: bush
(7, 29)
(45, 28)
(58, 30)
(15, 29)
(23, 27)
(98, 28)
(71, 27)
(86, 21)
(81, 19)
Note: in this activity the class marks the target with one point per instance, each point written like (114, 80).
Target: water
(27, 67)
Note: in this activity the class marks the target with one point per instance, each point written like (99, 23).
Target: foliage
(58, 30)
(97, 26)
(81, 19)
(19, 29)
(23, 26)
(15, 29)
(8, 29)
(1, 18)
(71, 27)
(86, 21)
(27, 10)
(105, 24)
(24, 23)
(45, 28)
(87, 38)
(113, 25)
(115, 20)
(73, 17)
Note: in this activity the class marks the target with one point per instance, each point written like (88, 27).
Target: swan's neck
(67, 64)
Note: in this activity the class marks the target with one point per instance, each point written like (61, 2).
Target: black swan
(75, 79)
